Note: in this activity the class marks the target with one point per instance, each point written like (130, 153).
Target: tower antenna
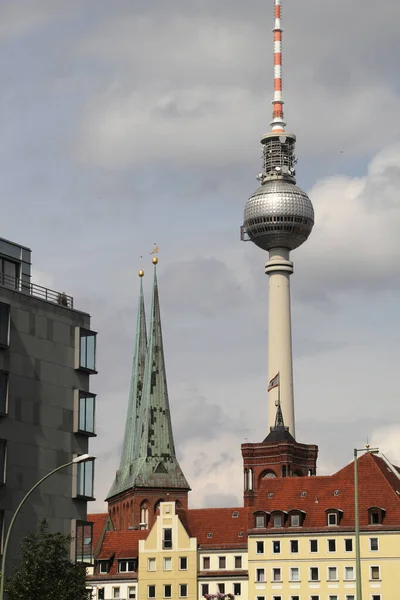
(278, 123)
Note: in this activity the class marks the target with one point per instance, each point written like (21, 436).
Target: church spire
(131, 444)
(157, 465)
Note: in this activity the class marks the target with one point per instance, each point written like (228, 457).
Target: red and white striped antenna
(278, 123)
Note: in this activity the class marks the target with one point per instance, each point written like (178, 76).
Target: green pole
(357, 529)
(24, 499)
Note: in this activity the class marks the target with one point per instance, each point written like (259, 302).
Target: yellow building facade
(168, 559)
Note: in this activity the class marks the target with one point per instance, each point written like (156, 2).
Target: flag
(274, 382)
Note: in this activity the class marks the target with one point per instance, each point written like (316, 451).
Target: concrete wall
(39, 424)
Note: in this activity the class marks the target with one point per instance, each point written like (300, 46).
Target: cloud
(387, 439)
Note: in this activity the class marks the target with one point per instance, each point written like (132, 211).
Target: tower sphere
(278, 215)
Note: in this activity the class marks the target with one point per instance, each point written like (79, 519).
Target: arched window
(144, 515)
(250, 480)
(246, 480)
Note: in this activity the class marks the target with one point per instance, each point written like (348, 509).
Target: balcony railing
(32, 289)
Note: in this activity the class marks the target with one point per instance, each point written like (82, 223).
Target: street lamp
(357, 518)
(74, 461)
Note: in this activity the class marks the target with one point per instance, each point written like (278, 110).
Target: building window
(374, 518)
(144, 515)
(295, 520)
(131, 592)
(116, 593)
(260, 547)
(294, 574)
(376, 597)
(331, 545)
(83, 542)
(276, 547)
(9, 272)
(151, 591)
(221, 562)
(151, 564)
(332, 574)
(168, 591)
(313, 545)
(276, 597)
(314, 574)
(87, 350)
(167, 539)
(294, 597)
(127, 566)
(167, 563)
(350, 597)
(86, 410)
(260, 520)
(348, 545)
(314, 597)
(260, 575)
(183, 563)
(332, 518)
(294, 546)
(100, 594)
(375, 573)
(237, 589)
(85, 479)
(3, 461)
(183, 590)
(278, 520)
(373, 544)
(332, 597)
(349, 573)
(4, 325)
(206, 563)
(260, 597)
(3, 392)
(103, 566)
(276, 574)
(238, 562)
(205, 588)
(221, 588)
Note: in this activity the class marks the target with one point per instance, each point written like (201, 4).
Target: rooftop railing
(38, 291)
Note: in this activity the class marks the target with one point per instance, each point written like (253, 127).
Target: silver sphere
(278, 215)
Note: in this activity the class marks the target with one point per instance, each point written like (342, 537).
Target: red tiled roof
(377, 487)
(221, 524)
(99, 521)
(121, 544)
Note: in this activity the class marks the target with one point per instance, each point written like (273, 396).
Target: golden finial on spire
(141, 272)
(155, 251)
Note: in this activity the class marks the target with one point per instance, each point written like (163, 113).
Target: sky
(128, 122)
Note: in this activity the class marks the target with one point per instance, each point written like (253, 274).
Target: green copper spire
(157, 465)
(124, 478)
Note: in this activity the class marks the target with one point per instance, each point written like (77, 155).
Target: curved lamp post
(78, 459)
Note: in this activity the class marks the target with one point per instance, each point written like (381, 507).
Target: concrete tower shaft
(279, 268)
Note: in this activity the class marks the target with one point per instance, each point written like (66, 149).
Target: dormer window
(376, 515)
(296, 518)
(278, 519)
(127, 566)
(260, 519)
(103, 566)
(333, 516)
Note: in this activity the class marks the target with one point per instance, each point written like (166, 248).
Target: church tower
(278, 218)
(149, 471)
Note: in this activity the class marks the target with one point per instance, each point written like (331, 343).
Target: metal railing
(38, 291)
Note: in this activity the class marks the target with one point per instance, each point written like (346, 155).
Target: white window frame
(152, 561)
(346, 578)
(223, 559)
(209, 563)
(333, 597)
(295, 516)
(318, 573)
(167, 558)
(310, 542)
(180, 563)
(103, 563)
(240, 588)
(379, 573)
(262, 573)
(291, 551)
(291, 569)
(370, 544)
(155, 590)
(327, 545)
(273, 580)
(273, 549)
(336, 519)
(262, 544)
(180, 590)
(352, 544)
(114, 588)
(337, 573)
(131, 587)
(164, 586)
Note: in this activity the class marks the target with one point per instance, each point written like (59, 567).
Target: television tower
(278, 218)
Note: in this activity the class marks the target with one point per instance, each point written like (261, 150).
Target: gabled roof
(99, 521)
(227, 531)
(316, 495)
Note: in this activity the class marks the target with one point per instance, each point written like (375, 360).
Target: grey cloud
(221, 501)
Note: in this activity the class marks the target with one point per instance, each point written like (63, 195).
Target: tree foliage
(46, 571)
